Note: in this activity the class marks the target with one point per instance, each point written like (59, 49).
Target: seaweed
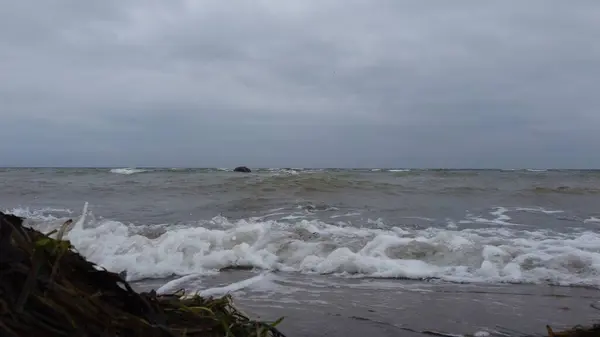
(48, 289)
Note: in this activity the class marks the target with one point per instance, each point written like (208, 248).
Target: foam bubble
(494, 254)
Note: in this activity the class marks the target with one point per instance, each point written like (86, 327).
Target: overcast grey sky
(310, 83)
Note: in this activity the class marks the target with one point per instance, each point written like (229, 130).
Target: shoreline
(49, 267)
(355, 308)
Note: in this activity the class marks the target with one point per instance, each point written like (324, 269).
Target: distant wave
(315, 182)
(467, 189)
(403, 171)
(565, 190)
(127, 171)
(309, 180)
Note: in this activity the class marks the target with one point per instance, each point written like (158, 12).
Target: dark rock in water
(242, 169)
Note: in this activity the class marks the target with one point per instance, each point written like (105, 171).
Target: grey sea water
(341, 252)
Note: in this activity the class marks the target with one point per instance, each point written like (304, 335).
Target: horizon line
(305, 168)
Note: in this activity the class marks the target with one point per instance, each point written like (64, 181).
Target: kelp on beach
(48, 289)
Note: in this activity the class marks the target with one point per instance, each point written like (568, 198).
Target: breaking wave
(127, 171)
(500, 253)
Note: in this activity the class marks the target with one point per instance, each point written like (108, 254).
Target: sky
(310, 83)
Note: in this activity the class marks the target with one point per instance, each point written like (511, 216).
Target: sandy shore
(327, 306)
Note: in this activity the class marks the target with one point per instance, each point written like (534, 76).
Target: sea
(341, 252)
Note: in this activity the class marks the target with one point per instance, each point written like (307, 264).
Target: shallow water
(315, 305)
(438, 249)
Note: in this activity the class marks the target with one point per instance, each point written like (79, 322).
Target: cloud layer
(300, 83)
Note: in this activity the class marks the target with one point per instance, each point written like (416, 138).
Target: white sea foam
(43, 214)
(294, 217)
(345, 215)
(289, 172)
(399, 170)
(493, 254)
(127, 171)
(45, 219)
(592, 219)
(538, 209)
(501, 218)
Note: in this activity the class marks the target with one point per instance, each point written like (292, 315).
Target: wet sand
(327, 306)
